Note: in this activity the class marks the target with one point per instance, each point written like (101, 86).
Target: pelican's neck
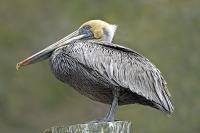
(109, 33)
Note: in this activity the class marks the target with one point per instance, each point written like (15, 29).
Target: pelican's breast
(65, 65)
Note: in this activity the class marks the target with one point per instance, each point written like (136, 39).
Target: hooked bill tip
(22, 63)
(18, 66)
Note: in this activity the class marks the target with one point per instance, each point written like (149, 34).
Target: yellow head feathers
(101, 29)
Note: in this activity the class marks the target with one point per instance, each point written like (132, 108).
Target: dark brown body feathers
(95, 68)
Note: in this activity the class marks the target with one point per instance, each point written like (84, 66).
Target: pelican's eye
(86, 31)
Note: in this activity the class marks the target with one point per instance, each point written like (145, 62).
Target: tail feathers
(165, 105)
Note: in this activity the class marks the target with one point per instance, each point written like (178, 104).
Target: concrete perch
(101, 127)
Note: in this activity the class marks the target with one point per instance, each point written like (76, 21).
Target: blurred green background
(165, 31)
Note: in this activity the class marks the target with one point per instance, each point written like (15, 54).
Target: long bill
(46, 52)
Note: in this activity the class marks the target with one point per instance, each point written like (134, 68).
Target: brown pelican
(105, 72)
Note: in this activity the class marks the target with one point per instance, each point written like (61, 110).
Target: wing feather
(128, 69)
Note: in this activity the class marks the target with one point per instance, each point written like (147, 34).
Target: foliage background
(165, 31)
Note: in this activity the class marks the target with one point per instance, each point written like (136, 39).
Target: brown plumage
(103, 71)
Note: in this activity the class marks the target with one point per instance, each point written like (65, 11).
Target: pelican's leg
(111, 112)
(110, 115)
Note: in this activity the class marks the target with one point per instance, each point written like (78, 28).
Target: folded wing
(128, 69)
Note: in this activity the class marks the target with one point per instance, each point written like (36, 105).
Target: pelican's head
(99, 30)
(94, 29)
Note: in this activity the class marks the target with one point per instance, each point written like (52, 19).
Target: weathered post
(100, 127)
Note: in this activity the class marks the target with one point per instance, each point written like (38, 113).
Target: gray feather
(124, 69)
